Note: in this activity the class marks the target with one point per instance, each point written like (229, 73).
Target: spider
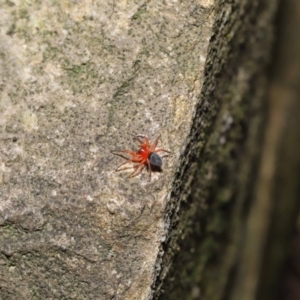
(146, 156)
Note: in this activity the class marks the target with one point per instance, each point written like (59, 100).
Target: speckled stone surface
(76, 80)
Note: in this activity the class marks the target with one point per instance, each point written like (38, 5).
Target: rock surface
(76, 80)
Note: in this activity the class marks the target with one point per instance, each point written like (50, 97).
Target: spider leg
(118, 152)
(121, 155)
(149, 166)
(162, 150)
(137, 170)
(123, 169)
(141, 136)
(138, 138)
(124, 163)
(153, 146)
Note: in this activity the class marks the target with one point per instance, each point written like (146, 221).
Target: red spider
(146, 156)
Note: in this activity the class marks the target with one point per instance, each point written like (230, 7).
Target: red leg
(137, 137)
(126, 162)
(138, 169)
(139, 140)
(142, 136)
(116, 152)
(162, 150)
(152, 148)
(118, 168)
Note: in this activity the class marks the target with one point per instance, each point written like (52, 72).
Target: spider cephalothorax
(147, 156)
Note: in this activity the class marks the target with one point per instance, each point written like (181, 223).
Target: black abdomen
(155, 159)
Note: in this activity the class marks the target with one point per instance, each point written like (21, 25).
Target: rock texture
(76, 80)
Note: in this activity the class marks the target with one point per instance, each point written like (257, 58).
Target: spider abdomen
(155, 159)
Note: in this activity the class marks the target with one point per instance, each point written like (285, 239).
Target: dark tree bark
(240, 203)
